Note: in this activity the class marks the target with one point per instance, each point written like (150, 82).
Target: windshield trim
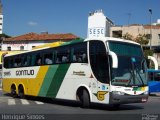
(124, 43)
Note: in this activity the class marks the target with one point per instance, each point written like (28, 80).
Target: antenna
(129, 17)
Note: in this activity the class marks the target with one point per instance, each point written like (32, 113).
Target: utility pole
(150, 11)
(129, 17)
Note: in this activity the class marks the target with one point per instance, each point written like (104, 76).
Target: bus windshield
(131, 70)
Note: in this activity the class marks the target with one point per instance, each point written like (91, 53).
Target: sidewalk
(155, 94)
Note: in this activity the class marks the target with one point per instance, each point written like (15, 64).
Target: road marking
(24, 102)
(11, 102)
(39, 103)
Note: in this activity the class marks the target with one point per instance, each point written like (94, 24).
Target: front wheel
(85, 99)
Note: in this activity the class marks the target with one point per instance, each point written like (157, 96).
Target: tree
(128, 36)
(142, 39)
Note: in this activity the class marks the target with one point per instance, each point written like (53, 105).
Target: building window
(21, 47)
(159, 36)
(117, 34)
(9, 48)
(148, 36)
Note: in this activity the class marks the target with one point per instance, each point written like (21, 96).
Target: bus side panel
(53, 80)
(31, 82)
(154, 86)
(80, 75)
(47, 80)
(34, 85)
(8, 82)
(77, 74)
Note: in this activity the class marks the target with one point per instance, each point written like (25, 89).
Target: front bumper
(125, 99)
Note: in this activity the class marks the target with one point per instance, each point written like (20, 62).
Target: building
(152, 33)
(1, 18)
(136, 29)
(30, 40)
(98, 24)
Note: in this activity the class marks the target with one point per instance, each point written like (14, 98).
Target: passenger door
(99, 61)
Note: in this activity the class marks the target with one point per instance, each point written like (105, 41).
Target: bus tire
(85, 99)
(13, 91)
(21, 92)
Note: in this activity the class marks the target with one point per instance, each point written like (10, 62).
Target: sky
(71, 16)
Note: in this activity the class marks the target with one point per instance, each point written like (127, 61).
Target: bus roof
(48, 45)
(51, 45)
(79, 40)
(111, 39)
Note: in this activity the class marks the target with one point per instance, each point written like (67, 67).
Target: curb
(155, 94)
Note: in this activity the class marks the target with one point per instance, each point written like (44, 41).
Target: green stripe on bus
(47, 80)
(57, 80)
(137, 89)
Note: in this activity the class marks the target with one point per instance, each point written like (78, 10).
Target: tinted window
(99, 61)
(58, 55)
(62, 55)
(125, 49)
(79, 53)
(154, 76)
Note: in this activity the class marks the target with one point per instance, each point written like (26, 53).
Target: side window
(79, 53)
(6, 62)
(62, 55)
(48, 58)
(37, 59)
(17, 61)
(10, 63)
(99, 61)
(21, 47)
(26, 60)
(9, 48)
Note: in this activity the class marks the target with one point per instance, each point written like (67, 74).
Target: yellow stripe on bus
(40, 77)
(31, 85)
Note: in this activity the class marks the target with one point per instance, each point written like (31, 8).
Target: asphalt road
(58, 109)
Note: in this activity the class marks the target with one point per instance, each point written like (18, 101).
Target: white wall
(16, 45)
(96, 24)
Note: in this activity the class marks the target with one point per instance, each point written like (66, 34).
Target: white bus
(96, 70)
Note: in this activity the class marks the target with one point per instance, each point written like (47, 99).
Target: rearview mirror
(114, 59)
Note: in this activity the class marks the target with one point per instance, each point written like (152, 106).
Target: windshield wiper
(139, 74)
(134, 68)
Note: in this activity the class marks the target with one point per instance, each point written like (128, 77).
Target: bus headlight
(118, 93)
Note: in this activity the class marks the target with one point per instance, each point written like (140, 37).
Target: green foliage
(142, 39)
(128, 36)
(148, 53)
